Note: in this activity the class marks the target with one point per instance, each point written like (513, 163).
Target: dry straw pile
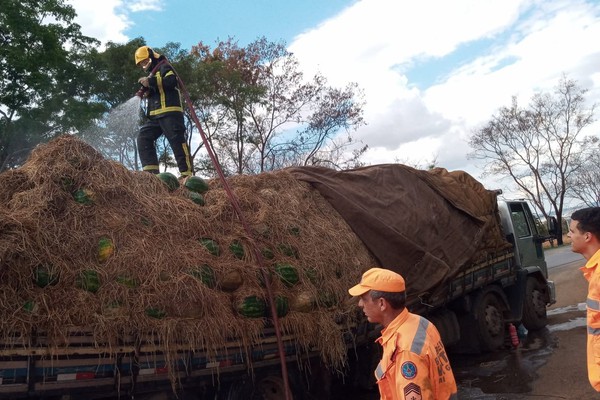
(87, 244)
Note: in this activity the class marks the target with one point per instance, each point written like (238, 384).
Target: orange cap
(380, 279)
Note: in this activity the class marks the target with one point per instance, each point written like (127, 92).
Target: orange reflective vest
(592, 274)
(414, 364)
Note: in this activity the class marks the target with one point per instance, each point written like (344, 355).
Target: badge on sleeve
(412, 391)
(409, 370)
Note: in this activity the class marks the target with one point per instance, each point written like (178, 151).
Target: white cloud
(376, 43)
(145, 5)
(103, 20)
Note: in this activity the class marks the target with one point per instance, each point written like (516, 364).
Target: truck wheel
(490, 322)
(534, 307)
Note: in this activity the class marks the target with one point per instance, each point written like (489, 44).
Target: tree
(261, 114)
(46, 76)
(536, 145)
(585, 183)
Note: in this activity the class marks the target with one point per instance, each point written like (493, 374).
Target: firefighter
(164, 112)
(584, 231)
(414, 364)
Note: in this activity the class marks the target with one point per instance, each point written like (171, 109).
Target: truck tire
(534, 307)
(490, 322)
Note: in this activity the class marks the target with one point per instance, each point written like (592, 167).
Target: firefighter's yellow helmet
(143, 53)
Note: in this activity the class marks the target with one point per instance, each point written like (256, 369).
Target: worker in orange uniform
(584, 231)
(164, 112)
(414, 364)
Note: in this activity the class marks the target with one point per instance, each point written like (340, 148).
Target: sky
(432, 71)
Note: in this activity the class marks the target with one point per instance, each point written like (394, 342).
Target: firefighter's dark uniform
(165, 115)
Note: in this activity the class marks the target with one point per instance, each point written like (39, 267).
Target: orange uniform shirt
(591, 272)
(414, 365)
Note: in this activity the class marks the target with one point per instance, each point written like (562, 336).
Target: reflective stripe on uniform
(150, 168)
(420, 336)
(593, 304)
(379, 372)
(593, 331)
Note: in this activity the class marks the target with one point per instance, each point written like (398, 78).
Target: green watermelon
(169, 179)
(88, 280)
(45, 275)
(252, 307)
(312, 275)
(287, 274)
(237, 249)
(30, 306)
(196, 184)
(156, 313)
(282, 305)
(84, 196)
(196, 198)
(211, 246)
(105, 248)
(267, 253)
(288, 250)
(127, 281)
(204, 274)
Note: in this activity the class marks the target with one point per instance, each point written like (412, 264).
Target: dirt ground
(564, 376)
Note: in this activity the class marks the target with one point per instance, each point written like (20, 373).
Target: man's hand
(143, 81)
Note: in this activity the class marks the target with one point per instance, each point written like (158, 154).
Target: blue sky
(188, 22)
(432, 71)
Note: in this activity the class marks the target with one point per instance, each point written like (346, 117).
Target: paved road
(558, 256)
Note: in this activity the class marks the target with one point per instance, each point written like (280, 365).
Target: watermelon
(303, 302)
(88, 280)
(169, 179)
(211, 246)
(267, 253)
(30, 306)
(231, 281)
(312, 275)
(105, 248)
(287, 274)
(204, 274)
(196, 198)
(127, 281)
(237, 249)
(288, 250)
(282, 306)
(84, 196)
(252, 307)
(156, 313)
(294, 230)
(196, 184)
(45, 275)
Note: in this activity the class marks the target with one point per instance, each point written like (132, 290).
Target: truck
(114, 283)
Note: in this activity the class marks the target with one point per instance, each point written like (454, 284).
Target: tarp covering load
(426, 225)
(86, 243)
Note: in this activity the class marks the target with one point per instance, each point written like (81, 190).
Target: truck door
(527, 238)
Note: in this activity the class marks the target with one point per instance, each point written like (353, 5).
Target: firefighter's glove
(143, 81)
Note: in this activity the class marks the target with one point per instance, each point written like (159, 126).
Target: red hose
(257, 253)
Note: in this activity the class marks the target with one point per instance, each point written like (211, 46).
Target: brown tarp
(426, 225)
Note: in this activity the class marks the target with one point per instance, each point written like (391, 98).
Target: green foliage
(47, 80)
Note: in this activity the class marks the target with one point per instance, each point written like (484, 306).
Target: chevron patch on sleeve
(412, 391)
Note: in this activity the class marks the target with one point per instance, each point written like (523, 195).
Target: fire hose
(234, 202)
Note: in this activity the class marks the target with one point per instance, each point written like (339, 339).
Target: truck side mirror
(552, 226)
